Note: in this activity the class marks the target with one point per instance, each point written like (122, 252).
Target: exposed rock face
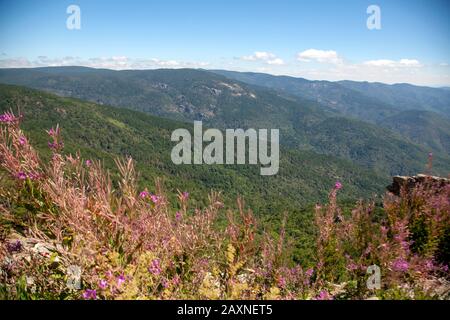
(410, 182)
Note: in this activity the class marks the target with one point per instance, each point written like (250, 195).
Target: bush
(69, 232)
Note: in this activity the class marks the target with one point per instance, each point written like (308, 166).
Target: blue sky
(312, 39)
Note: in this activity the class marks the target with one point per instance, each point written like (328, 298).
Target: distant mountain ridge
(188, 94)
(379, 100)
(421, 114)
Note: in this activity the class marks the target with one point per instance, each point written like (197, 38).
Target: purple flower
(185, 195)
(352, 266)
(21, 175)
(429, 265)
(338, 185)
(155, 267)
(323, 295)
(405, 245)
(400, 265)
(178, 215)
(103, 284)
(120, 280)
(155, 199)
(14, 246)
(309, 272)
(282, 282)
(22, 140)
(143, 194)
(52, 132)
(8, 118)
(176, 280)
(5, 117)
(88, 163)
(90, 294)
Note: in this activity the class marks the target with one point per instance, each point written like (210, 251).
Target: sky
(319, 40)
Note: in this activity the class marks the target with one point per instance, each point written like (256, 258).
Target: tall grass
(132, 244)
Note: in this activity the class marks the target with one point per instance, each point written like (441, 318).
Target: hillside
(329, 94)
(362, 100)
(69, 233)
(102, 132)
(187, 95)
(423, 127)
(419, 114)
(405, 96)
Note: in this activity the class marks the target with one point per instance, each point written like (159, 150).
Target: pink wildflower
(90, 294)
(282, 282)
(176, 280)
(8, 118)
(144, 194)
(52, 132)
(103, 284)
(352, 266)
(155, 199)
(338, 185)
(22, 140)
(120, 280)
(400, 265)
(185, 195)
(21, 175)
(155, 267)
(323, 295)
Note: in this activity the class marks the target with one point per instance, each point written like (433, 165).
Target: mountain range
(346, 120)
(101, 132)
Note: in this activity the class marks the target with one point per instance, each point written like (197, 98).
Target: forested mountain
(187, 94)
(424, 127)
(363, 100)
(103, 132)
(420, 114)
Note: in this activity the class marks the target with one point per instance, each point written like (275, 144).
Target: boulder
(410, 182)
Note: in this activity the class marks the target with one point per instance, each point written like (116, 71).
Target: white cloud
(265, 57)
(114, 62)
(168, 63)
(385, 63)
(380, 63)
(410, 63)
(15, 63)
(259, 55)
(276, 61)
(322, 56)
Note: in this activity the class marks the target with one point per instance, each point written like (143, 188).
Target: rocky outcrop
(399, 182)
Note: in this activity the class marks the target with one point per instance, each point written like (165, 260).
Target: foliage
(131, 243)
(220, 102)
